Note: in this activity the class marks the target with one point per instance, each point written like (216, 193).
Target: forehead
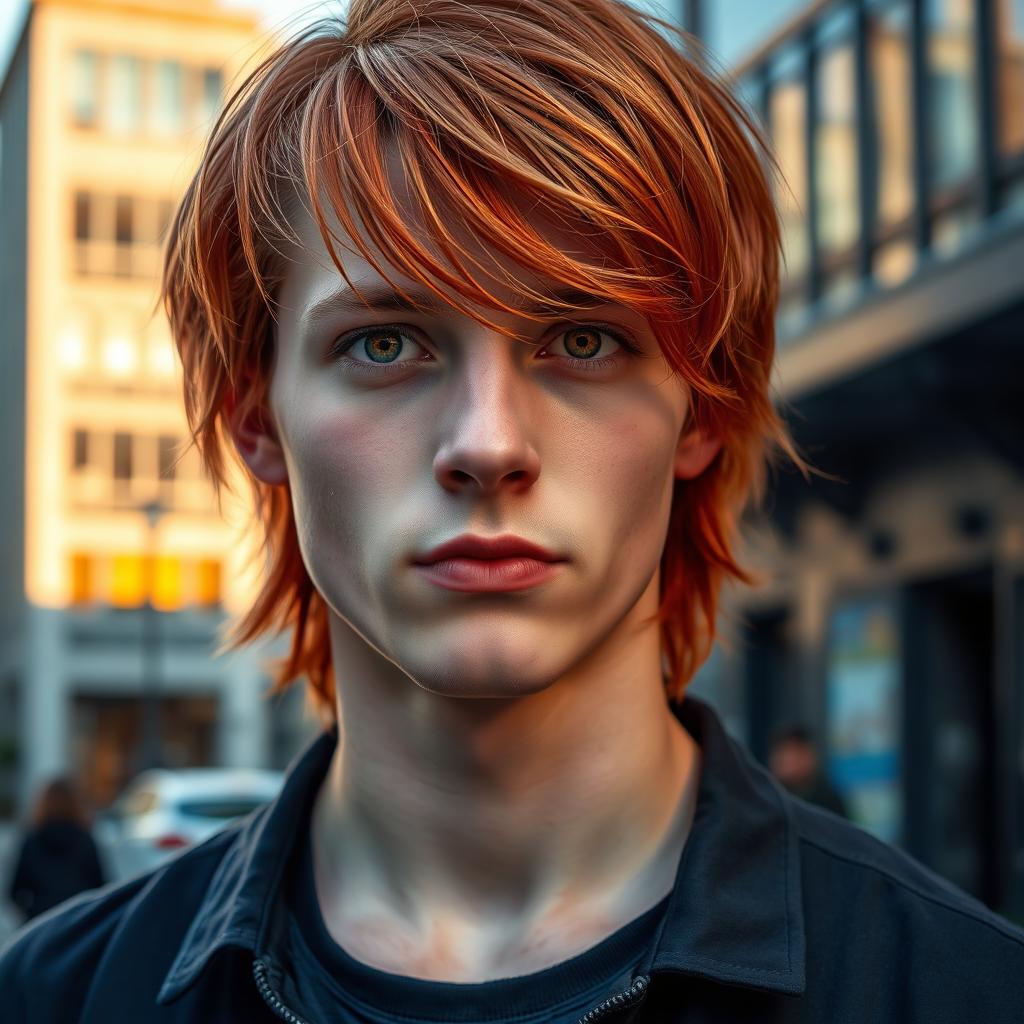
(309, 270)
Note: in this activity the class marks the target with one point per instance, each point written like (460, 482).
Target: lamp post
(150, 752)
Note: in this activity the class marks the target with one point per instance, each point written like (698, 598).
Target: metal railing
(899, 130)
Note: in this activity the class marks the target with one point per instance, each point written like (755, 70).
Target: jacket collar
(735, 914)
(240, 907)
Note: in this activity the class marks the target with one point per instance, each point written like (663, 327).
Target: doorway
(952, 815)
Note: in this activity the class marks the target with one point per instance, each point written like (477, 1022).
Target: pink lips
(488, 564)
(470, 546)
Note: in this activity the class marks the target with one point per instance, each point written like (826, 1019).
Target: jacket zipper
(270, 997)
(619, 1001)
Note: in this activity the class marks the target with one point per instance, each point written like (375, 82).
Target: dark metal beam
(985, 100)
(921, 124)
(811, 164)
(867, 162)
(692, 17)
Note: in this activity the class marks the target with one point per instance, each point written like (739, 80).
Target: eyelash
(346, 342)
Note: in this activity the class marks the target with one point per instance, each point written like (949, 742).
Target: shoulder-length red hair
(598, 112)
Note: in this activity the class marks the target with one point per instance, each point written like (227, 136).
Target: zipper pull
(260, 970)
(634, 994)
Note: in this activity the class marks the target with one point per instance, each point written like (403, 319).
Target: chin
(472, 683)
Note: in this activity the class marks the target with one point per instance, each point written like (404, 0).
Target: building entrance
(952, 809)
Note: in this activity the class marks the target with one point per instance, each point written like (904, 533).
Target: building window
(1010, 49)
(85, 82)
(787, 118)
(131, 95)
(213, 88)
(125, 97)
(122, 456)
(127, 581)
(160, 353)
(123, 236)
(120, 469)
(167, 583)
(119, 235)
(123, 220)
(165, 210)
(169, 102)
(74, 341)
(891, 197)
(80, 450)
(953, 130)
(83, 221)
(208, 581)
(80, 571)
(835, 141)
(167, 453)
(120, 350)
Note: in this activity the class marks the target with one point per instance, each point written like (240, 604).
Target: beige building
(104, 111)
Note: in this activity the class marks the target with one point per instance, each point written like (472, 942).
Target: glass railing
(898, 126)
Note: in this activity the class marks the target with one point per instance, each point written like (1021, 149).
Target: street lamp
(150, 753)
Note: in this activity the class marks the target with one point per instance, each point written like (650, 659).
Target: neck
(575, 800)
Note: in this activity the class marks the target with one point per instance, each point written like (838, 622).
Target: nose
(486, 444)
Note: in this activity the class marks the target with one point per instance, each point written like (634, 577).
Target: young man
(482, 295)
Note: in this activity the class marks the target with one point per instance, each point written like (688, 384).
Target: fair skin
(510, 785)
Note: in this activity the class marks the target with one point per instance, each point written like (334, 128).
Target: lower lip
(488, 575)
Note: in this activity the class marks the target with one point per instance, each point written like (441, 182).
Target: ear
(255, 436)
(694, 453)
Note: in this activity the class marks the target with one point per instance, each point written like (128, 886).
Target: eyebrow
(383, 299)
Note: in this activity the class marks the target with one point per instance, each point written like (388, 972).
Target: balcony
(898, 126)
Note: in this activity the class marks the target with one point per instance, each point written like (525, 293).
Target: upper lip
(470, 546)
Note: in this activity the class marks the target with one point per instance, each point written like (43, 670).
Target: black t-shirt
(341, 988)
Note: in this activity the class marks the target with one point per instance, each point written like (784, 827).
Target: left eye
(584, 344)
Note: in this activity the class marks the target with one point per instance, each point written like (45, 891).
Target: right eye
(378, 347)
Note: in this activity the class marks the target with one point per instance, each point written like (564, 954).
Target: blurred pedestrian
(795, 763)
(58, 856)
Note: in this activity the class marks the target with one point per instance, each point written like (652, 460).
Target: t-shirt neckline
(581, 979)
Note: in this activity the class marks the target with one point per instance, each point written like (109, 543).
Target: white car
(162, 811)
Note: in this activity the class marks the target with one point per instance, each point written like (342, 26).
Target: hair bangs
(353, 132)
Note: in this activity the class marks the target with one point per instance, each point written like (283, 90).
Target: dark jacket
(781, 912)
(56, 861)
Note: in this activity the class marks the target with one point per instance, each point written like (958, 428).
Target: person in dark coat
(58, 857)
(795, 763)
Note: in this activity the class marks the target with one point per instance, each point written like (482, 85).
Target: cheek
(346, 473)
(629, 473)
(340, 447)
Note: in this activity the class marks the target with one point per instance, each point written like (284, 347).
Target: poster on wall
(864, 720)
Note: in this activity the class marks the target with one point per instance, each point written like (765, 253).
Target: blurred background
(887, 640)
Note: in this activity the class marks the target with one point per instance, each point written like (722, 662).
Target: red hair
(598, 113)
